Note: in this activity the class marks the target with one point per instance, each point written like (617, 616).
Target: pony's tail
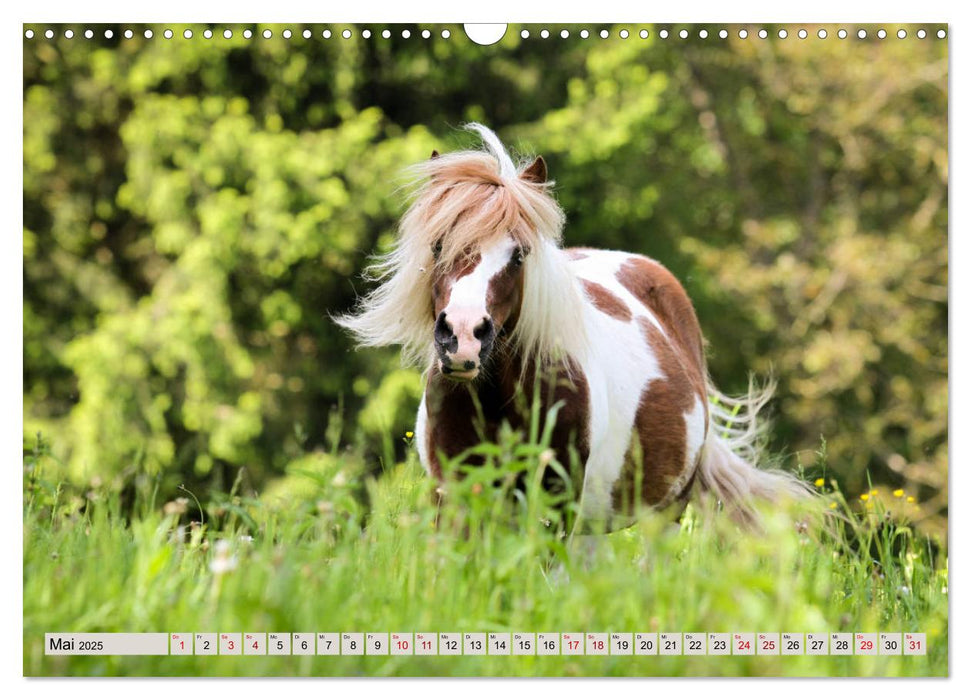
(729, 469)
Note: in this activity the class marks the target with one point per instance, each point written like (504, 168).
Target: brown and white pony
(479, 291)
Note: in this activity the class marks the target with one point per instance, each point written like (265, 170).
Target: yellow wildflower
(910, 499)
(865, 497)
(409, 435)
(832, 505)
(874, 492)
(819, 482)
(899, 493)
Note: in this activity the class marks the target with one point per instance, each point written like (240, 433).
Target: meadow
(378, 555)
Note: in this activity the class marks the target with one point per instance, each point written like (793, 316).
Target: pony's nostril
(484, 329)
(469, 364)
(444, 335)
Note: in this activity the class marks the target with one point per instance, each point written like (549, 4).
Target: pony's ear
(535, 172)
(434, 155)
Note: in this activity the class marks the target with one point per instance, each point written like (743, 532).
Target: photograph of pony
(481, 249)
(399, 353)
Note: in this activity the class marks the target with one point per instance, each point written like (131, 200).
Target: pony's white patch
(694, 423)
(618, 368)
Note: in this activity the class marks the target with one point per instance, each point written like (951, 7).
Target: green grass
(321, 560)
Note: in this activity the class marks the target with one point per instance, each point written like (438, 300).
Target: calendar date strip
(487, 644)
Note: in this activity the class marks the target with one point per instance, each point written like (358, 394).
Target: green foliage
(194, 211)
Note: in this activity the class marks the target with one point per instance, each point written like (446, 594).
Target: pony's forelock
(492, 142)
(462, 202)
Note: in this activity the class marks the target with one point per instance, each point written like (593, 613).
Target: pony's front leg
(428, 459)
(445, 425)
(583, 552)
(421, 437)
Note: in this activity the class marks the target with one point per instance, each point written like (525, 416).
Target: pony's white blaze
(467, 307)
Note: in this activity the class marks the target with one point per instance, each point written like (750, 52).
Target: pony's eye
(517, 257)
(437, 249)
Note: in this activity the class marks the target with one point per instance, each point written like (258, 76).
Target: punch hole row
(446, 34)
(724, 34)
(230, 33)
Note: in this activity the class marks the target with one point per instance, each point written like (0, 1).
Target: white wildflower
(222, 560)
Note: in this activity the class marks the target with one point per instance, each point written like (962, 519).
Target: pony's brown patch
(606, 301)
(504, 297)
(573, 421)
(454, 424)
(661, 292)
(655, 468)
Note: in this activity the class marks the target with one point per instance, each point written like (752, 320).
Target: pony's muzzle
(463, 347)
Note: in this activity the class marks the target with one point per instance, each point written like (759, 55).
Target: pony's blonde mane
(462, 202)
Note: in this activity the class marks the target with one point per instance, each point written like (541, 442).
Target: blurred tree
(194, 210)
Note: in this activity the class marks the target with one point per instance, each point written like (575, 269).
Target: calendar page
(506, 350)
